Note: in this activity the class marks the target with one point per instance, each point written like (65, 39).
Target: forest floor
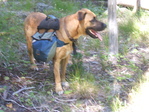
(25, 90)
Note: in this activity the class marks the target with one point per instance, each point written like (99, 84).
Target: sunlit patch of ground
(139, 97)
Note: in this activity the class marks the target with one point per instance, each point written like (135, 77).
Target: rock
(94, 62)
(40, 7)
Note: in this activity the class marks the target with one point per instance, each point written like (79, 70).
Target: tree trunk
(113, 30)
(136, 7)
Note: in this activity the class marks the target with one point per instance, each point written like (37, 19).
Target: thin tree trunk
(113, 30)
(137, 6)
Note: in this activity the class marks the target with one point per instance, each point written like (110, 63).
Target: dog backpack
(50, 22)
(45, 44)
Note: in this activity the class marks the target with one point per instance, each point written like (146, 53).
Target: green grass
(132, 31)
(136, 98)
(64, 6)
(11, 33)
(82, 83)
(117, 105)
(21, 5)
(11, 25)
(134, 28)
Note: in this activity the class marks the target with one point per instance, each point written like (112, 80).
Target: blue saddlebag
(44, 50)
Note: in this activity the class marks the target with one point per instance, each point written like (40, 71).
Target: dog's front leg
(64, 63)
(58, 86)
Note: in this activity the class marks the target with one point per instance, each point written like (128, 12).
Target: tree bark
(113, 30)
(137, 6)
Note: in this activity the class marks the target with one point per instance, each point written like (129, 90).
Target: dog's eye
(93, 20)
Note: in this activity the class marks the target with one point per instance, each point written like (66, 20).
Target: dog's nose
(104, 25)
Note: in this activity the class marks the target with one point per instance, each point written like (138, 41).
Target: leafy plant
(77, 64)
(117, 104)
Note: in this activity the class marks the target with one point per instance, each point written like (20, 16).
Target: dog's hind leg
(30, 52)
(28, 35)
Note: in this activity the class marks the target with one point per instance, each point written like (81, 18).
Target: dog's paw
(34, 67)
(65, 84)
(60, 92)
(46, 66)
(58, 89)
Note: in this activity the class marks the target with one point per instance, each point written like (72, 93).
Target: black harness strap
(71, 39)
(43, 33)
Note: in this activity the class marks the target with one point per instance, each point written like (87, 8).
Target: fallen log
(144, 4)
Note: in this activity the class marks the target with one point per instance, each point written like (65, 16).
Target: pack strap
(43, 36)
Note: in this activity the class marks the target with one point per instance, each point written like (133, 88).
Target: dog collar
(71, 39)
(67, 33)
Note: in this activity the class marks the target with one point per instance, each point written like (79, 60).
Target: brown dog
(83, 22)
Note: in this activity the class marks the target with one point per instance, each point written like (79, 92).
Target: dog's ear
(81, 15)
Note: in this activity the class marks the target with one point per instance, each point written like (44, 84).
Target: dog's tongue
(99, 36)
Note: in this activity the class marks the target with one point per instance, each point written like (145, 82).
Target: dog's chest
(67, 51)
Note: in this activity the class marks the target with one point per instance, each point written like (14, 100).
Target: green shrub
(134, 29)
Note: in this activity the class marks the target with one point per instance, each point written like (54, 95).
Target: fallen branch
(26, 88)
(23, 106)
(61, 100)
(13, 101)
(132, 3)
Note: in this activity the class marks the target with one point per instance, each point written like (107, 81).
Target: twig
(10, 100)
(94, 100)
(75, 106)
(36, 108)
(26, 88)
(70, 100)
(3, 55)
(47, 109)
(21, 105)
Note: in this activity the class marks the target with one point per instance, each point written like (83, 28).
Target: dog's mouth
(94, 34)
